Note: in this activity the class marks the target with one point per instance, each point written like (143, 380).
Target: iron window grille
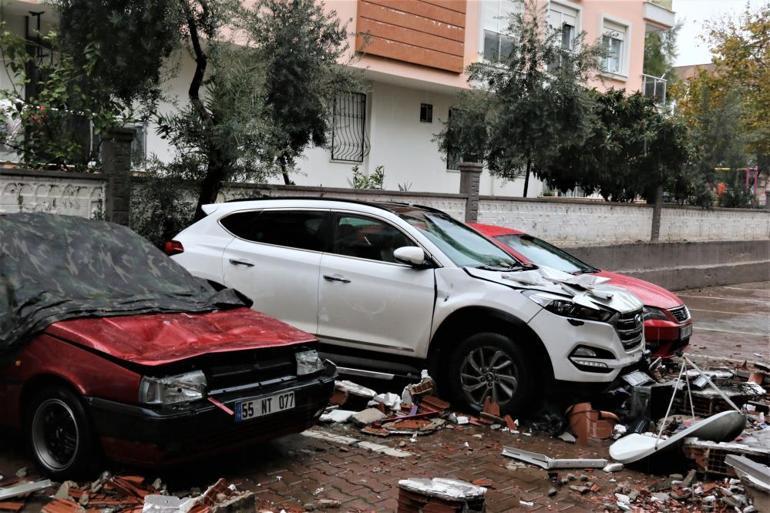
(348, 137)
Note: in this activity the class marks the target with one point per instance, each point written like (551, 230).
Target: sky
(693, 14)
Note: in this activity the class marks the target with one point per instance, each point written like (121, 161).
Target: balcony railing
(655, 88)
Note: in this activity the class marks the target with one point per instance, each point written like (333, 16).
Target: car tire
(60, 437)
(491, 365)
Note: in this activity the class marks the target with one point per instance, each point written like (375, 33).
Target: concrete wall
(684, 265)
(571, 223)
(45, 191)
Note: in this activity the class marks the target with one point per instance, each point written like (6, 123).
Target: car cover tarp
(54, 268)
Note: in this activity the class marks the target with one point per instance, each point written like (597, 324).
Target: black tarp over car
(55, 267)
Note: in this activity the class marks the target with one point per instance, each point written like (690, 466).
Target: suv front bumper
(173, 434)
(562, 337)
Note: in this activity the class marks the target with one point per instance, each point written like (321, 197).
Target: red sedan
(667, 322)
(108, 347)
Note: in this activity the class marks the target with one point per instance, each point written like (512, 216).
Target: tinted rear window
(294, 229)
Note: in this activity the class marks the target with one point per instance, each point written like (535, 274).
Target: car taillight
(173, 247)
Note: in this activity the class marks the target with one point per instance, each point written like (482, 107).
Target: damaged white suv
(390, 288)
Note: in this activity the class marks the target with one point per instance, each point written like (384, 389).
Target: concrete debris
(367, 416)
(354, 389)
(337, 415)
(440, 496)
(613, 467)
(25, 488)
(543, 461)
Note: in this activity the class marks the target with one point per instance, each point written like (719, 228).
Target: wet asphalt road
(731, 321)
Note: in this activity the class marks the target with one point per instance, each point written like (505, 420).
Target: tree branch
(201, 61)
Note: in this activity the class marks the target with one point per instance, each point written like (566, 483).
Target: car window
(542, 253)
(295, 229)
(463, 246)
(366, 237)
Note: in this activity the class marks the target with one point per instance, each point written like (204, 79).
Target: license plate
(253, 408)
(685, 331)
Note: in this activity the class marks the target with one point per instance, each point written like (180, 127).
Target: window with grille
(348, 138)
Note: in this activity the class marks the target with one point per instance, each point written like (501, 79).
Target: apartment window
(614, 44)
(348, 137)
(495, 17)
(426, 113)
(564, 19)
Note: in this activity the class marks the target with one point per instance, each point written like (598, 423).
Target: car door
(274, 259)
(367, 300)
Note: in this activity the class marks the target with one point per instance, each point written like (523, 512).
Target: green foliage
(121, 44)
(55, 119)
(162, 204)
(631, 149)
(298, 43)
(363, 181)
(535, 100)
(736, 194)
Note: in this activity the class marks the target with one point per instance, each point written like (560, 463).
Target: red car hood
(164, 338)
(649, 293)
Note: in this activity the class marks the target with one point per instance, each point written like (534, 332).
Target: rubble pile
(125, 494)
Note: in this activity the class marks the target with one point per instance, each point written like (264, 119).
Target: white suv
(390, 288)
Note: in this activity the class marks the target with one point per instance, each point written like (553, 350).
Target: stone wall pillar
(470, 176)
(116, 160)
(767, 200)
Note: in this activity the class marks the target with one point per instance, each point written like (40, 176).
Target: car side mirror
(410, 255)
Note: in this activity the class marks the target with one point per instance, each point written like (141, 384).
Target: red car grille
(681, 314)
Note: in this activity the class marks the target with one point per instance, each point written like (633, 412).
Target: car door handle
(336, 277)
(241, 262)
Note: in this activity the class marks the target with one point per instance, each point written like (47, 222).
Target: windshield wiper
(500, 268)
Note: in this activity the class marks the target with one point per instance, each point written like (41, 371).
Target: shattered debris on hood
(585, 290)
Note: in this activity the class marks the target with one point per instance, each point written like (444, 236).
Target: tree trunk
(210, 186)
(657, 209)
(526, 178)
(285, 173)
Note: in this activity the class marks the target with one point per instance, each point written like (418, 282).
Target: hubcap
(488, 372)
(55, 435)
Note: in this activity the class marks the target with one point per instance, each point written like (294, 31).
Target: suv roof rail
(384, 205)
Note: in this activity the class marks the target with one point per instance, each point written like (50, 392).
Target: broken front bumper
(152, 436)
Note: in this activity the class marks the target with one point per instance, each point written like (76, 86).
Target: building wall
(406, 147)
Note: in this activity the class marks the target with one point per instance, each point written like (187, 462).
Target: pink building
(413, 54)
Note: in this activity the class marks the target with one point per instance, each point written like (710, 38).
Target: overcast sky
(693, 14)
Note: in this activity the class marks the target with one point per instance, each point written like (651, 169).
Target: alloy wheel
(488, 371)
(55, 434)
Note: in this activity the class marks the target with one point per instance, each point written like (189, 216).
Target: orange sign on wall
(425, 32)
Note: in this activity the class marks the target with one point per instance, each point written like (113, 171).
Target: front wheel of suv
(491, 366)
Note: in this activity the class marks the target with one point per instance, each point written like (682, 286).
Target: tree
(741, 56)
(537, 101)
(632, 149)
(299, 44)
(89, 73)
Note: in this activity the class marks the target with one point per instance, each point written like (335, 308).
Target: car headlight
(566, 308)
(308, 362)
(650, 312)
(182, 388)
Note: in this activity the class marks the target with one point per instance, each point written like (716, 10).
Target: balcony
(655, 88)
(658, 15)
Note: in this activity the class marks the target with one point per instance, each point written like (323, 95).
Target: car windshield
(542, 253)
(463, 246)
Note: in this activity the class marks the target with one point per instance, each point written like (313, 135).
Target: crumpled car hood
(585, 289)
(157, 339)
